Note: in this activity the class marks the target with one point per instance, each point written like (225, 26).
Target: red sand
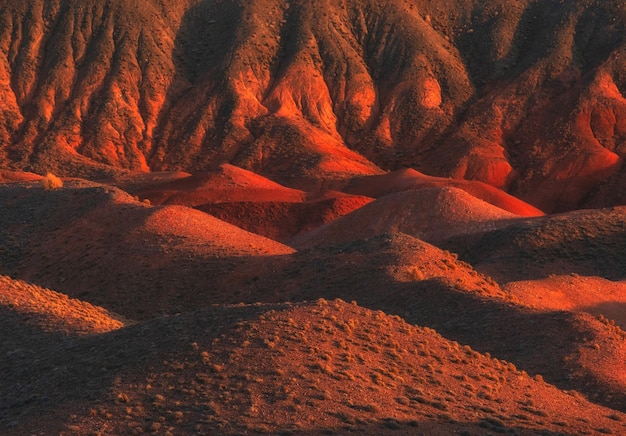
(410, 179)
(432, 215)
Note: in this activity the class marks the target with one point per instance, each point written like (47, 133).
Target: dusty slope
(53, 312)
(97, 243)
(528, 97)
(585, 242)
(573, 292)
(431, 214)
(375, 375)
(227, 183)
(408, 178)
(281, 221)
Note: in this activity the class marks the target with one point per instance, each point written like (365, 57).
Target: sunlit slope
(527, 97)
(311, 368)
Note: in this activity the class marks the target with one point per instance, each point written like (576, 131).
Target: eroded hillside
(527, 97)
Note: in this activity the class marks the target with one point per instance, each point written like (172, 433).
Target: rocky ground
(166, 320)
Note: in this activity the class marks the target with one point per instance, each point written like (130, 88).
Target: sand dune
(244, 199)
(410, 179)
(227, 183)
(53, 312)
(99, 244)
(432, 215)
(377, 374)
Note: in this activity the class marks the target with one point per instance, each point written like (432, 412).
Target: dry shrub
(50, 182)
(416, 274)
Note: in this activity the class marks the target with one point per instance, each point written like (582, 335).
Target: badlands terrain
(312, 217)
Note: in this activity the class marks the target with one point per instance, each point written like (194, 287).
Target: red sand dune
(275, 368)
(98, 244)
(190, 230)
(53, 312)
(432, 214)
(408, 178)
(228, 183)
(573, 292)
(244, 199)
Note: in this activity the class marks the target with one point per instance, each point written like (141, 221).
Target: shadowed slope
(586, 242)
(528, 97)
(283, 220)
(377, 375)
(97, 243)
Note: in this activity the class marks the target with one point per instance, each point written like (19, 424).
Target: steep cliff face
(525, 96)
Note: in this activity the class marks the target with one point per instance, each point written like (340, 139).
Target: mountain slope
(527, 97)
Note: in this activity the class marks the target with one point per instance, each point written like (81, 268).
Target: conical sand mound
(192, 229)
(432, 215)
(227, 183)
(408, 179)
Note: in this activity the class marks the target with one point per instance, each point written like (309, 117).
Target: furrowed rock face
(528, 97)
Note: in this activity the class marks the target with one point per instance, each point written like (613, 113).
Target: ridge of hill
(160, 264)
(431, 214)
(584, 242)
(408, 178)
(99, 244)
(53, 312)
(528, 98)
(376, 374)
(226, 183)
